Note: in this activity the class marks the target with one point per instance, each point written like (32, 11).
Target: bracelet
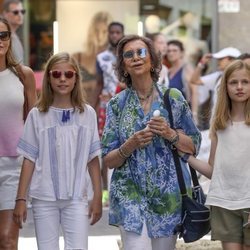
(123, 154)
(174, 140)
(20, 199)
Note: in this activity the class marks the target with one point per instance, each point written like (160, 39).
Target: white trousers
(133, 241)
(72, 216)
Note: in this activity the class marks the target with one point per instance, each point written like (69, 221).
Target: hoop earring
(152, 69)
(125, 74)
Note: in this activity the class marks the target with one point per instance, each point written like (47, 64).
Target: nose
(239, 85)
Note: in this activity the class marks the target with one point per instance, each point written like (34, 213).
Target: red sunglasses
(57, 73)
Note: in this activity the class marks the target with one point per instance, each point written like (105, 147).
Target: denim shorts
(10, 168)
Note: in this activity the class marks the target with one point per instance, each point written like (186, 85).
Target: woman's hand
(143, 138)
(158, 125)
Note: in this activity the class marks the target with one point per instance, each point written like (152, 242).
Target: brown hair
(10, 60)
(223, 106)
(47, 95)
(155, 59)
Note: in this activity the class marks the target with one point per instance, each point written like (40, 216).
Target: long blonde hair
(91, 46)
(223, 106)
(47, 96)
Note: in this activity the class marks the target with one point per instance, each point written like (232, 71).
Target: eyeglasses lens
(57, 74)
(140, 52)
(16, 12)
(4, 35)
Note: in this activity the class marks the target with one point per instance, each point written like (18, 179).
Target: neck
(237, 112)
(62, 102)
(2, 63)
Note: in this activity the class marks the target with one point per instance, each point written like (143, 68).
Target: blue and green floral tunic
(145, 188)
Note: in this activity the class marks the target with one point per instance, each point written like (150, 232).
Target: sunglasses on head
(16, 12)
(57, 73)
(5, 35)
(142, 53)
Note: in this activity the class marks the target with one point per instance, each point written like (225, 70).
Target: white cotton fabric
(230, 183)
(61, 151)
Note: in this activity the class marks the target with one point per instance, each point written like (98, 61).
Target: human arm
(95, 208)
(20, 210)
(196, 76)
(29, 83)
(201, 166)
(118, 156)
(212, 150)
(159, 126)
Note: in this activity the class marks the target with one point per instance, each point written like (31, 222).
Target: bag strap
(180, 177)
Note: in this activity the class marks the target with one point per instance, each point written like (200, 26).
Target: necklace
(144, 98)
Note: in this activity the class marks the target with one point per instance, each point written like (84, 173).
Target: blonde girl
(59, 144)
(229, 195)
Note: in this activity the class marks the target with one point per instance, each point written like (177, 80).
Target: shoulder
(27, 71)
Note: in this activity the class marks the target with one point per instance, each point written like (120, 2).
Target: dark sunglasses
(16, 12)
(57, 73)
(5, 35)
(142, 53)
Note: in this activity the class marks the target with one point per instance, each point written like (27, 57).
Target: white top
(230, 183)
(209, 83)
(61, 151)
(11, 112)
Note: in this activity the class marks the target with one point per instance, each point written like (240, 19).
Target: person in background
(145, 199)
(96, 42)
(160, 45)
(180, 73)
(13, 12)
(12, 102)
(107, 83)
(209, 83)
(244, 57)
(229, 160)
(59, 144)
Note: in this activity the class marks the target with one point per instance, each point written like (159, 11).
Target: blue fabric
(146, 186)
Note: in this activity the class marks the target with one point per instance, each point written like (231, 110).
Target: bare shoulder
(28, 76)
(27, 71)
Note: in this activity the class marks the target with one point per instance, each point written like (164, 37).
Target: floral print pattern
(145, 187)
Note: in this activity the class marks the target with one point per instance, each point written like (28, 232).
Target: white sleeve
(28, 143)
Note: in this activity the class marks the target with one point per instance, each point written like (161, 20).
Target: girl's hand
(20, 213)
(95, 210)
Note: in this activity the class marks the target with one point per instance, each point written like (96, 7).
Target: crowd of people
(104, 109)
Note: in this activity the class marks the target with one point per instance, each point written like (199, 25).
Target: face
(174, 53)
(137, 61)
(62, 79)
(15, 14)
(160, 44)
(238, 86)
(115, 35)
(4, 39)
(101, 32)
(223, 62)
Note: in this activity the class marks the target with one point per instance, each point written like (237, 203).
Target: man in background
(14, 12)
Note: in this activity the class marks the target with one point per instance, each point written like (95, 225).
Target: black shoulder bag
(195, 217)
